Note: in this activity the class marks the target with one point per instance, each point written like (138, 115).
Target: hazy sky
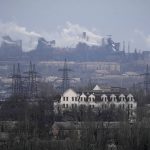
(127, 20)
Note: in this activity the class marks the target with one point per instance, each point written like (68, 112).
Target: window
(93, 106)
(66, 105)
(128, 106)
(131, 105)
(84, 99)
(75, 98)
(82, 106)
(131, 113)
(93, 99)
(114, 99)
(124, 99)
(123, 106)
(104, 106)
(72, 105)
(81, 99)
(63, 105)
(90, 99)
(112, 105)
(72, 98)
(64, 98)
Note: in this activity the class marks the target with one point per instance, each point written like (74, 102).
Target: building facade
(97, 99)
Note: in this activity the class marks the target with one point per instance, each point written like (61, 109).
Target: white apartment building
(97, 98)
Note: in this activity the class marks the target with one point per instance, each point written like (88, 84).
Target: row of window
(104, 106)
(65, 98)
(73, 99)
(122, 106)
(75, 106)
(65, 105)
(91, 99)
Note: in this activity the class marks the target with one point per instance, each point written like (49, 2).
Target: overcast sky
(127, 20)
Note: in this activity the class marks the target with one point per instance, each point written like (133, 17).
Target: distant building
(99, 67)
(43, 44)
(10, 48)
(98, 98)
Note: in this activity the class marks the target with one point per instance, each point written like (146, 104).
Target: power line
(24, 84)
(65, 79)
(146, 81)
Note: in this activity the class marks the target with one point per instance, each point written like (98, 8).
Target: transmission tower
(16, 81)
(146, 80)
(24, 84)
(65, 78)
(31, 81)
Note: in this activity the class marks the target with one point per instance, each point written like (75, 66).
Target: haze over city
(64, 21)
(74, 74)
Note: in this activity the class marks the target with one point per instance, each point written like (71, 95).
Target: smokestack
(84, 35)
(123, 49)
(129, 47)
